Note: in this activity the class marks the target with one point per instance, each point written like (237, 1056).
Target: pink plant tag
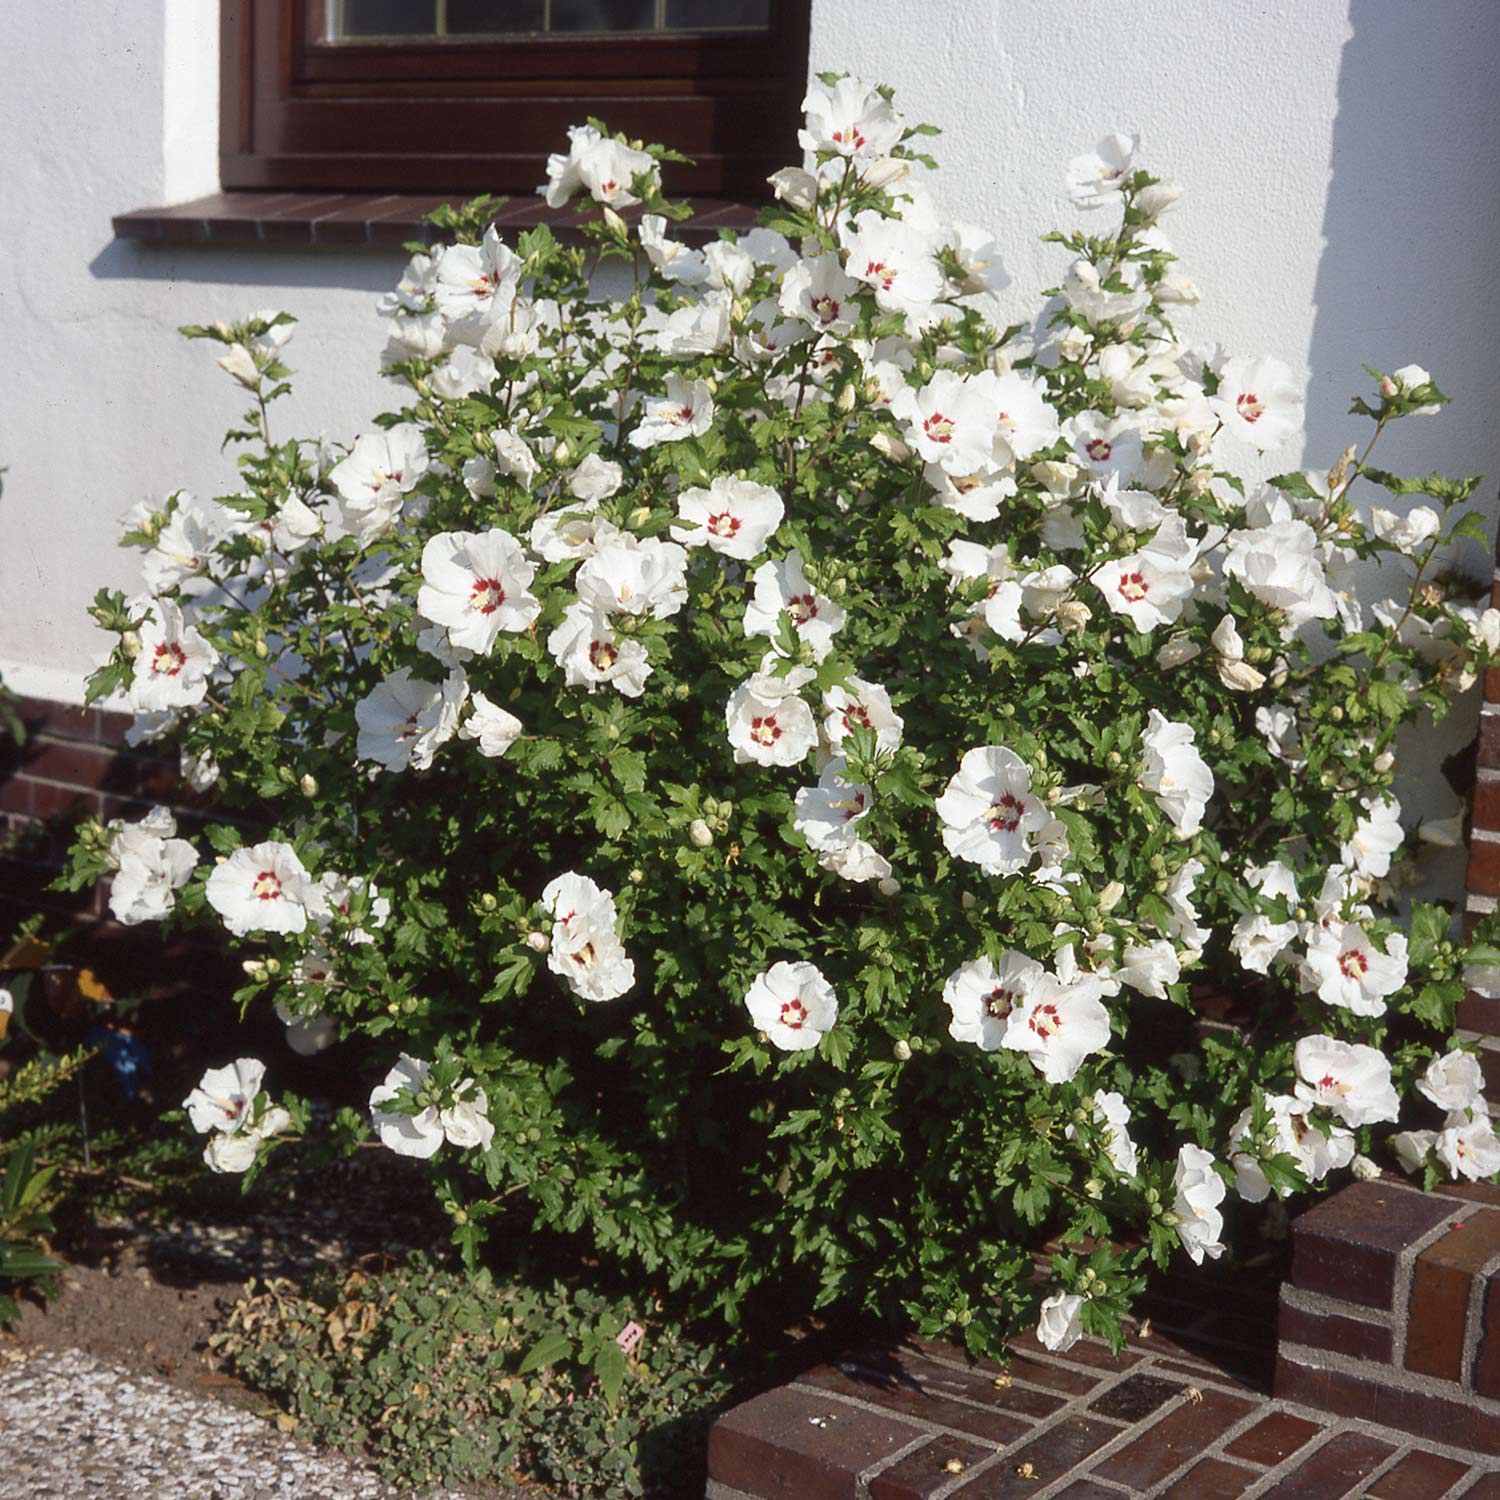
(630, 1336)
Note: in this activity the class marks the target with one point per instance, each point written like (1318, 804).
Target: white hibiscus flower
(687, 410)
(1059, 1023)
(171, 663)
(1175, 774)
(981, 997)
(592, 655)
(781, 588)
(1200, 1190)
(477, 584)
(585, 950)
(404, 721)
(768, 722)
(496, 729)
(264, 888)
(462, 1122)
(734, 517)
(1352, 1080)
(989, 811)
(793, 1004)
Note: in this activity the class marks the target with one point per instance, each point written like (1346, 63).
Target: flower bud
(611, 731)
(795, 186)
(1365, 1169)
(254, 968)
(562, 453)
(884, 172)
(262, 650)
(902, 1050)
(636, 876)
(889, 446)
(1384, 761)
(613, 222)
(700, 833)
(1388, 386)
(1073, 346)
(309, 784)
(639, 516)
(967, 901)
(889, 885)
(131, 641)
(1073, 616)
(1109, 897)
(1152, 202)
(488, 901)
(538, 941)
(847, 398)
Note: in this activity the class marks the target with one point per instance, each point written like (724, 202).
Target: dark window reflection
(603, 15)
(387, 18)
(495, 17)
(715, 15)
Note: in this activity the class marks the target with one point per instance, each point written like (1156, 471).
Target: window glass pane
(495, 17)
(718, 15)
(358, 18)
(603, 15)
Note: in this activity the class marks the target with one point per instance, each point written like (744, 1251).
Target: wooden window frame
(298, 112)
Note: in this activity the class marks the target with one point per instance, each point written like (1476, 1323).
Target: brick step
(1393, 1310)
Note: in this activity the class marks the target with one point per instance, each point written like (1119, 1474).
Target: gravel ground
(73, 1427)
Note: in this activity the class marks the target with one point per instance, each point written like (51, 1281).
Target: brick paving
(917, 1422)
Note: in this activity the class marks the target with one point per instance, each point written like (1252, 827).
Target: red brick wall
(74, 763)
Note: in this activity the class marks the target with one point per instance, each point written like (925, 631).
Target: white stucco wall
(1342, 207)
(101, 403)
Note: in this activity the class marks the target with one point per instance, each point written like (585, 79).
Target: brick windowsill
(379, 219)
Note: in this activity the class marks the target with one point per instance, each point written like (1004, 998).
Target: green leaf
(552, 1348)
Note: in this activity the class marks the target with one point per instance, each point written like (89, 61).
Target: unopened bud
(131, 641)
(1384, 761)
(967, 901)
(538, 942)
(889, 446)
(1340, 471)
(884, 172)
(636, 876)
(889, 885)
(562, 453)
(254, 968)
(847, 398)
(1109, 897)
(611, 731)
(902, 1050)
(640, 515)
(700, 833)
(1388, 386)
(309, 784)
(489, 901)
(613, 221)
(262, 650)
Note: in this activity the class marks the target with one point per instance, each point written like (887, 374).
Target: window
(470, 96)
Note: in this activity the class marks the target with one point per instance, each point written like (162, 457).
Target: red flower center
(168, 659)
(603, 655)
(1133, 586)
(1045, 1021)
(794, 1014)
(724, 524)
(1249, 406)
(1006, 813)
(266, 886)
(486, 595)
(1099, 450)
(1354, 964)
(939, 429)
(999, 1002)
(877, 271)
(802, 608)
(765, 731)
(825, 307)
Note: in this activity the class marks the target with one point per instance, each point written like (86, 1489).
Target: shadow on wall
(1408, 274)
(349, 268)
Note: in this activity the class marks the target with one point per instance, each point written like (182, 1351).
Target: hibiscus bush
(765, 762)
